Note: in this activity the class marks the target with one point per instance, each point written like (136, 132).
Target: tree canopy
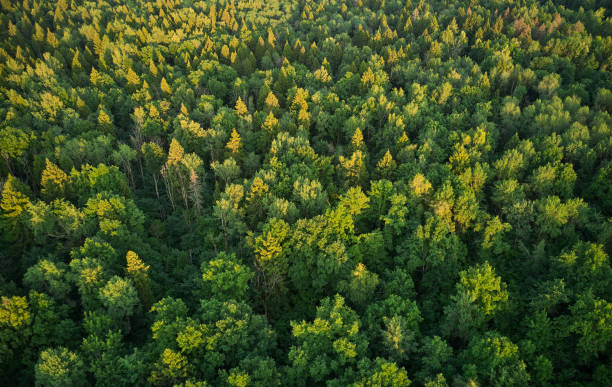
(334, 192)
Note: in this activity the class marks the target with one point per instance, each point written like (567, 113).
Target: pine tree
(241, 108)
(175, 154)
(271, 39)
(132, 78)
(165, 87)
(76, 64)
(53, 181)
(386, 166)
(152, 68)
(271, 102)
(270, 125)
(105, 123)
(94, 77)
(234, 144)
(357, 139)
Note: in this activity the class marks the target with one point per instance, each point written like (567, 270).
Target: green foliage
(329, 345)
(59, 367)
(494, 360)
(13, 204)
(222, 336)
(53, 181)
(225, 278)
(340, 193)
(394, 323)
(484, 288)
(119, 297)
(50, 277)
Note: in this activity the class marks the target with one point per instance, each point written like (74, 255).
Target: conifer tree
(240, 107)
(53, 181)
(234, 144)
(165, 87)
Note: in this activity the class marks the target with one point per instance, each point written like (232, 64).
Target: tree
(172, 368)
(91, 181)
(462, 318)
(154, 158)
(225, 278)
(15, 319)
(553, 214)
(234, 144)
(125, 156)
(119, 297)
(493, 359)
(227, 209)
(28, 324)
(53, 181)
(13, 144)
(60, 367)
(226, 171)
(222, 335)
(327, 347)
(258, 371)
(50, 277)
(240, 107)
(138, 272)
(480, 294)
(165, 87)
(548, 85)
(353, 169)
(592, 322)
(386, 166)
(379, 372)
(435, 357)
(420, 185)
(309, 195)
(394, 322)
(105, 122)
(361, 286)
(12, 218)
(271, 260)
(485, 288)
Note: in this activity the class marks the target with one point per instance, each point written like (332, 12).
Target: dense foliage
(335, 192)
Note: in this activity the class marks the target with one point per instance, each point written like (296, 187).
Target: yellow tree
(234, 144)
(386, 166)
(165, 87)
(53, 181)
(240, 107)
(138, 271)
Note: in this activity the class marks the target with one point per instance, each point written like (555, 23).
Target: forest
(305, 193)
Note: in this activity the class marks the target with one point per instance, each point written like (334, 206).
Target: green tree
(119, 297)
(394, 322)
(49, 277)
(327, 347)
(225, 277)
(137, 270)
(60, 367)
(13, 204)
(493, 359)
